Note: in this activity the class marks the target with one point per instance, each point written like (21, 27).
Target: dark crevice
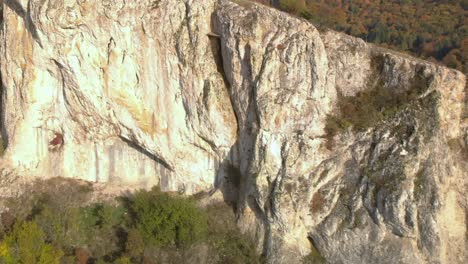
(147, 153)
(237, 178)
(215, 44)
(96, 162)
(315, 255)
(217, 51)
(3, 132)
(254, 204)
(25, 15)
(211, 143)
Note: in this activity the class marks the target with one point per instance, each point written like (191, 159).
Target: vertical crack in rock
(3, 134)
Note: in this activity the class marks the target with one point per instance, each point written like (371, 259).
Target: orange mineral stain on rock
(142, 115)
(23, 47)
(105, 77)
(120, 91)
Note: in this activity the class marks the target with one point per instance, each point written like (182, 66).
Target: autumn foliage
(433, 30)
(57, 221)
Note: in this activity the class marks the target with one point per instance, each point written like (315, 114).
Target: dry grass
(366, 110)
(458, 146)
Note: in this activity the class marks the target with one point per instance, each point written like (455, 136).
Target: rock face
(252, 103)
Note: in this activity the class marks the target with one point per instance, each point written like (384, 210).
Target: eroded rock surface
(249, 102)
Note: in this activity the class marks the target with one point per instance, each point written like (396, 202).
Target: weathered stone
(213, 95)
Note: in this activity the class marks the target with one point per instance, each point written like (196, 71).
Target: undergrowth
(59, 222)
(2, 147)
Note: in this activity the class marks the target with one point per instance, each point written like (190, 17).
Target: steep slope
(131, 90)
(313, 137)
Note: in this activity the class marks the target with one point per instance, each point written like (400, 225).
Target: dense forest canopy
(435, 30)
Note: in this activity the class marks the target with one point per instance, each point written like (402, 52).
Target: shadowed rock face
(314, 137)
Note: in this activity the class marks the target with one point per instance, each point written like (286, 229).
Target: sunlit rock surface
(237, 99)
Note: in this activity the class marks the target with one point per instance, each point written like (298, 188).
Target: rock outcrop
(317, 139)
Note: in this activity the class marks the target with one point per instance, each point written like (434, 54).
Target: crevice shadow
(146, 153)
(26, 16)
(236, 174)
(3, 132)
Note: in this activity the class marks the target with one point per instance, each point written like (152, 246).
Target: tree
(295, 6)
(165, 220)
(26, 244)
(454, 59)
(426, 28)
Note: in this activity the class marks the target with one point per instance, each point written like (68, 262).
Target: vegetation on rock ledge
(57, 222)
(366, 109)
(1, 147)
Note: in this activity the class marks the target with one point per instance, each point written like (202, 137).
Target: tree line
(433, 30)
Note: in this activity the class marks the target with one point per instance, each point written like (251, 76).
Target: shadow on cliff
(236, 175)
(233, 171)
(3, 133)
(31, 28)
(236, 180)
(228, 176)
(26, 16)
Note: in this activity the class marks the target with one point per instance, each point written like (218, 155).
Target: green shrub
(314, 257)
(458, 146)
(59, 207)
(103, 215)
(59, 194)
(225, 237)
(26, 244)
(235, 248)
(367, 109)
(2, 147)
(294, 6)
(139, 228)
(135, 245)
(62, 228)
(123, 260)
(50, 255)
(105, 226)
(165, 220)
(94, 227)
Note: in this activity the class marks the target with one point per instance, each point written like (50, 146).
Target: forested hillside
(436, 30)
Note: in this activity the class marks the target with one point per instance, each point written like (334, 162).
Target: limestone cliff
(313, 137)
